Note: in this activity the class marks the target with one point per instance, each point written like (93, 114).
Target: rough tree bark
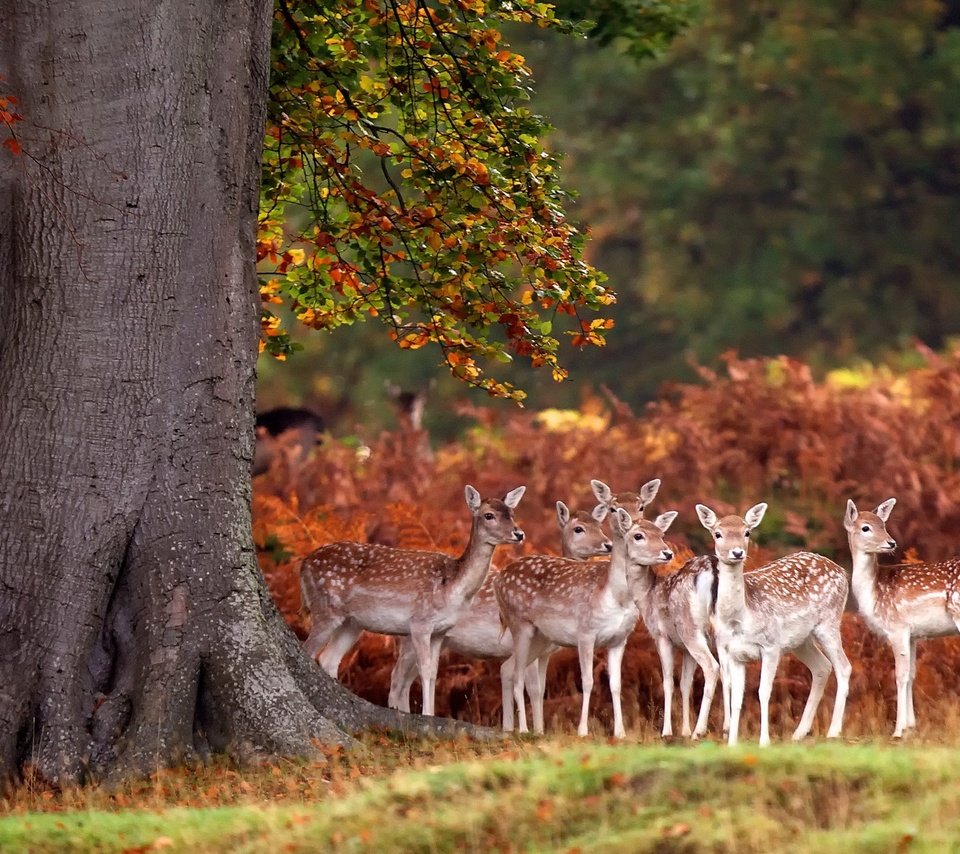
(135, 628)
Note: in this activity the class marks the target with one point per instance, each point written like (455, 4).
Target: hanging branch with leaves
(404, 179)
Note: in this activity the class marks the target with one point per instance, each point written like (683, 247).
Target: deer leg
(537, 702)
(436, 643)
(688, 667)
(699, 651)
(901, 662)
(831, 643)
(320, 632)
(818, 665)
(736, 679)
(724, 686)
(403, 675)
(535, 693)
(506, 693)
(614, 669)
(769, 661)
(344, 637)
(423, 646)
(522, 641)
(911, 721)
(665, 649)
(585, 650)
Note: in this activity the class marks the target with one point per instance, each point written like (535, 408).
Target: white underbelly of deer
(927, 614)
(480, 636)
(608, 625)
(383, 611)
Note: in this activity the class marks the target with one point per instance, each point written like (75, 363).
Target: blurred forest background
(783, 179)
(775, 198)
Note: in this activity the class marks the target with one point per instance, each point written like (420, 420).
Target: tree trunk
(135, 627)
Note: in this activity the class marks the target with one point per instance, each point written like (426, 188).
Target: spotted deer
(676, 610)
(634, 503)
(564, 602)
(900, 603)
(478, 633)
(348, 587)
(794, 604)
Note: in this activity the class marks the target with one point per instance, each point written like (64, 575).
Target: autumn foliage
(405, 179)
(9, 117)
(757, 430)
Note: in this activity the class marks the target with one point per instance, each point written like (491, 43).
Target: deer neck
(731, 592)
(863, 580)
(618, 585)
(641, 583)
(472, 566)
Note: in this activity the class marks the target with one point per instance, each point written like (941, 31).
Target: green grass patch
(571, 796)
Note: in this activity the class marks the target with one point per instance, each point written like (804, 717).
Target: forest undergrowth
(759, 430)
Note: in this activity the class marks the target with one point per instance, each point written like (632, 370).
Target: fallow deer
(348, 587)
(288, 433)
(900, 603)
(478, 633)
(546, 601)
(634, 503)
(676, 611)
(793, 604)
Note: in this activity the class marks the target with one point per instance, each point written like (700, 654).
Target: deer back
(796, 593)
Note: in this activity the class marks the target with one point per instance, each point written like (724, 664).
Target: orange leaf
(13, 145)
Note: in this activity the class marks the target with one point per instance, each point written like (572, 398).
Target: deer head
(582, 532)
(633, 502)
(493, 518)
(731, 534)
(645, 545)
(867, 531)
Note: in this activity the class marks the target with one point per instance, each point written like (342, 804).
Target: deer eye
(746, 535)
(638, 537)
(578, 529)
(865, 529)
(718, 535)
(488, 516)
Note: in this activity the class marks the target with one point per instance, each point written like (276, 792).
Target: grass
(561, 794)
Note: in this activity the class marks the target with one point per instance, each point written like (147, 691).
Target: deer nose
(667, 554)
(518, 535)
(737, 554)
(608, 546)
(891, 544)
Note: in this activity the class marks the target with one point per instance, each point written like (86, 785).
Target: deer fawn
(478, 633)
(558, 601)
(792, 604)
(349, 587)
(900, 603)
(676, 611)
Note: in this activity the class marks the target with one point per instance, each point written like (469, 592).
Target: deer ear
(622, 522)
(851, 515)
(563, 514)
(665, 520)
(601, 491)
(600, 512)
(883, 511)
(473, 498)
(512, 498)
(707, 517)
(754, 515)
(649, 491)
